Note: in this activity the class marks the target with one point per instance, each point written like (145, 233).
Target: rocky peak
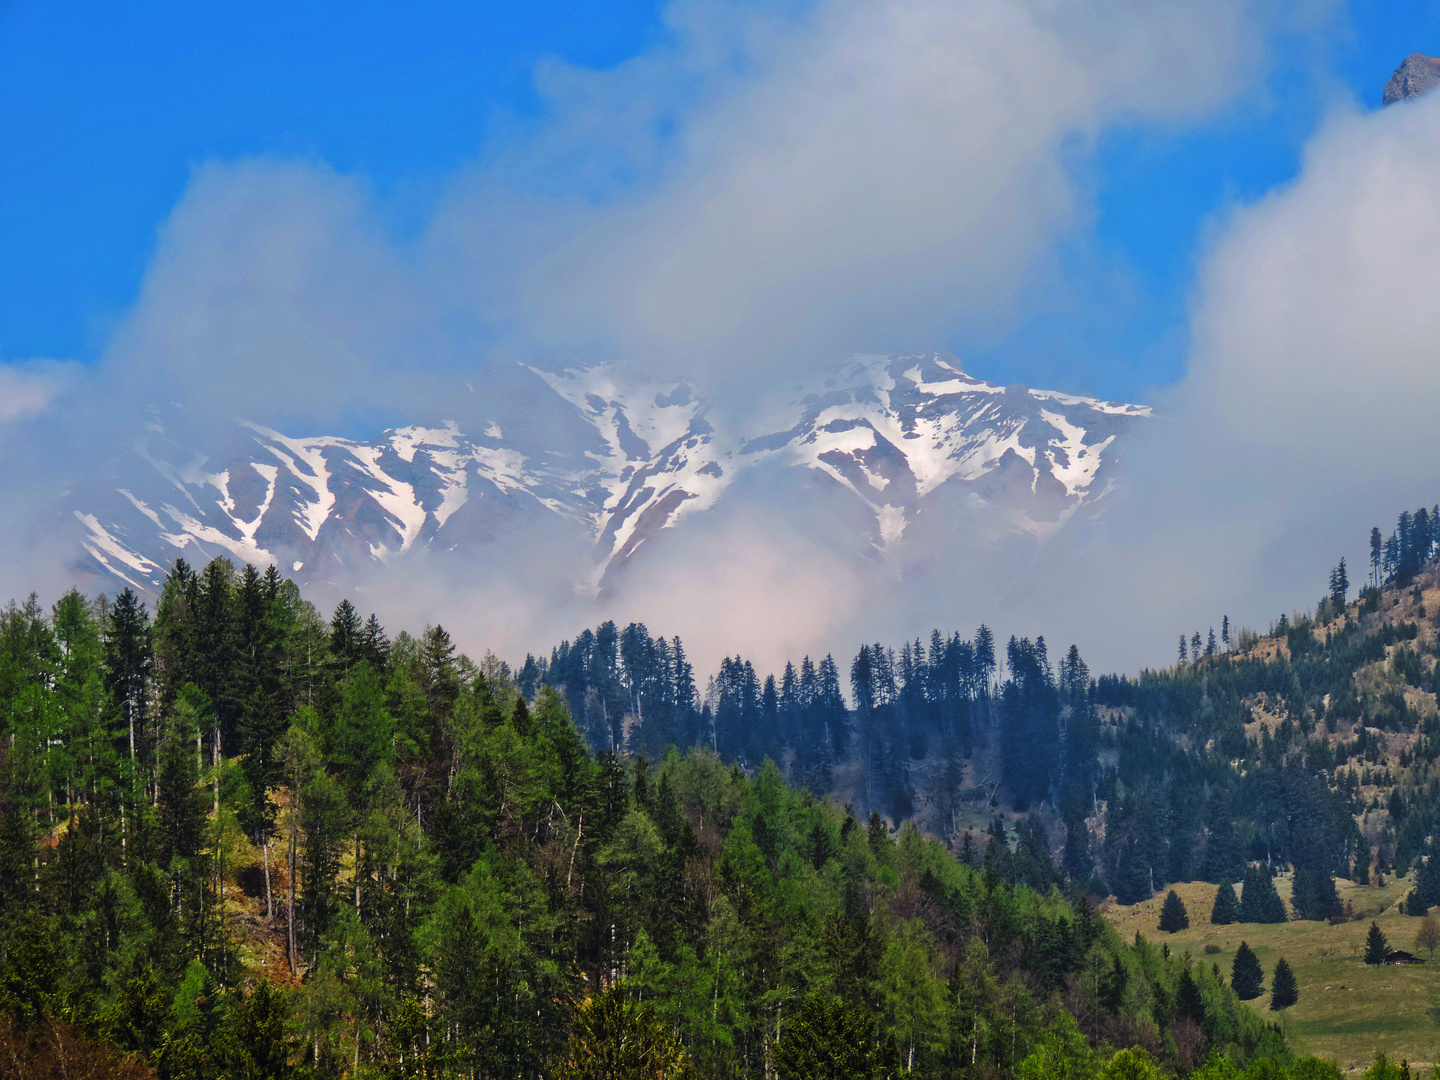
(1415, 76)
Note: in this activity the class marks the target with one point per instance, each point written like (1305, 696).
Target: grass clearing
(1347, 1010)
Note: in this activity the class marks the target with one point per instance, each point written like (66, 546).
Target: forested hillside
(1314, 746)
(240, 840)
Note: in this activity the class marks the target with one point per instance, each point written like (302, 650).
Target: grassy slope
(1347, 1010)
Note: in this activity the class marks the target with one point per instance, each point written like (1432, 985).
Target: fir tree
(1377, 949)
(1173, 916)
(1339, 586)
(829, 1040)
(1259, 902)
(1189, 1005)
(1227, 907)
(1247, 977)
(1284, 990)
(1314, 895)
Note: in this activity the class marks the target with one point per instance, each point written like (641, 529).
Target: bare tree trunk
(215, 764)
(294, 960)
(269, 907)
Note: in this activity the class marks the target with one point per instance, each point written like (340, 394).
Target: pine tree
(1314, 895)
(1184, 651)
(829, 1039)
(1259, 902)
(1189, 1005)
(1225, 632)
(1284, 990)
(128, 659)
(1173, 916)
(1375, 543)
(1247, 977)
(1078, 865)
(1227, 907)
(1377, 949)
(346, 635)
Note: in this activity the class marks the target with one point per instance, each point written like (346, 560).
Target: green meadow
(1347, 1010)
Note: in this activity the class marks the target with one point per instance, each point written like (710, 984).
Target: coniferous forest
(241, 839)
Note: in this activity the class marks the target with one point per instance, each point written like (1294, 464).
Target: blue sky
(106, 109)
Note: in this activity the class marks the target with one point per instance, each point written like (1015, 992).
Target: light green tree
(1063, 1054)
(1131, 1064)
(914, 995)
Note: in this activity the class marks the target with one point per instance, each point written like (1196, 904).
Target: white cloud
(1308, 412)
(28, 388)
(860, 176)
(763, 189)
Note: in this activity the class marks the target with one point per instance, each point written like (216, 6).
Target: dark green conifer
(1247, 977)
(1314, 895)
(1173, 916)
(1259, 902)
(1376, 947)
(1284, 991)
(830, 1039)
(1188, 1003)
(1227, 906)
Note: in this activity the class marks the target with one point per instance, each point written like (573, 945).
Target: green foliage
(1173, 916)
(430, 860)
(830, 1040)
(1259, 902)
(1247, 977)
(1376, 947)
(1227, 906)
(614, 1039)
(1284, 990)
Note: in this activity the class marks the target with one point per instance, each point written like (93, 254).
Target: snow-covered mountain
(616, 460)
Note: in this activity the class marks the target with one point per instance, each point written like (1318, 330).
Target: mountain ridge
(635, 457)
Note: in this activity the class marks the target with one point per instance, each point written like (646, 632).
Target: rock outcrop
(1417, 75)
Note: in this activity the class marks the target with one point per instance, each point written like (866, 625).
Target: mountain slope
(624, 458)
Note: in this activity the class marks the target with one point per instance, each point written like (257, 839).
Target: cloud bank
(1307, 414)
(765, 190)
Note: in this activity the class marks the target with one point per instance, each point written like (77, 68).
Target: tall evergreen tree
(1227, 907)
(128, 663)
(1247, 977)
(1377, 949)
(1173, 916)
(1259, 902)
(1284, 990)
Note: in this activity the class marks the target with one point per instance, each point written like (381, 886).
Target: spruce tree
(1189, 1005)
(1227, 907)
(1284, 991)
(1259, 902)
(1247, 977)
(1314, 895)
(1173, 916)
(1376, 947)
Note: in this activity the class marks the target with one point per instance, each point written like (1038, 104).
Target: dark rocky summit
(1415, 76)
